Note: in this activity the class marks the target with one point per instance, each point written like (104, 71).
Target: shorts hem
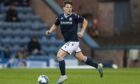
(65, 51)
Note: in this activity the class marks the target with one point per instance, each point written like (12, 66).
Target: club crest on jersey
(61, 18)
(70, 19)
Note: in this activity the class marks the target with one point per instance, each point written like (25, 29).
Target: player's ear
(63, 8)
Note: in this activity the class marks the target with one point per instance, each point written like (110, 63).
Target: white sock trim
(85, 58)
(60, 58)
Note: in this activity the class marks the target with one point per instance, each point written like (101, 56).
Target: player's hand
(80, 34)
(47, 33)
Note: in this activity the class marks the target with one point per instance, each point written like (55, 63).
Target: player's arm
(84, 26)
(54, 26)
(51, 29)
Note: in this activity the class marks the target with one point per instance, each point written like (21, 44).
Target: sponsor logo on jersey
(66, 22)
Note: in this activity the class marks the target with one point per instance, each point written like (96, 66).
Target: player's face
(67, 9)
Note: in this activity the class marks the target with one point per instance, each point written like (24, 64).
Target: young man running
(68, 22)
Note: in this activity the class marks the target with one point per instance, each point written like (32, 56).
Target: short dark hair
(67, 2)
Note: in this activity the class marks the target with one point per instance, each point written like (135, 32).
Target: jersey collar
(67, 15)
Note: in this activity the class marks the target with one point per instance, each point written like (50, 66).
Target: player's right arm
(54, 26)
(51, 29)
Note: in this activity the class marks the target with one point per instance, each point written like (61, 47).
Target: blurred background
(112, 36)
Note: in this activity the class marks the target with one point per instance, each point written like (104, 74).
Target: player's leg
(60, 57)
(66, 49)
(81, 57)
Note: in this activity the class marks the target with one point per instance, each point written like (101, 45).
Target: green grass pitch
(75, 76)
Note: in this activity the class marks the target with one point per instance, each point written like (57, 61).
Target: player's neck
(66, 15)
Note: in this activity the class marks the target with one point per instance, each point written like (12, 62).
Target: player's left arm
(84, 26)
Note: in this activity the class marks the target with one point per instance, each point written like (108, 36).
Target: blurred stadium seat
(14, 34)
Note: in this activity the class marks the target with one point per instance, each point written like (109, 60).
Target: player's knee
(60, 58)
(82, 59)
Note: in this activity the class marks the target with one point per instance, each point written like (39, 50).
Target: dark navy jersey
(69, 26)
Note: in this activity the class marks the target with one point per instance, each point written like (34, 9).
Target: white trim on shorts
(71, 47)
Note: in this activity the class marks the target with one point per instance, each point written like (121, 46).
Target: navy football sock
(91, 63)
(62, 67)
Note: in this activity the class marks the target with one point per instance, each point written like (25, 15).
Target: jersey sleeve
(57, 22)
(79, 18)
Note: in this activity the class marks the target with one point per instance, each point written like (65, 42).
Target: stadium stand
(13, 34)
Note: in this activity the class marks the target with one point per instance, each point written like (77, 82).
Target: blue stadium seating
(14, 34)
(23, 10)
